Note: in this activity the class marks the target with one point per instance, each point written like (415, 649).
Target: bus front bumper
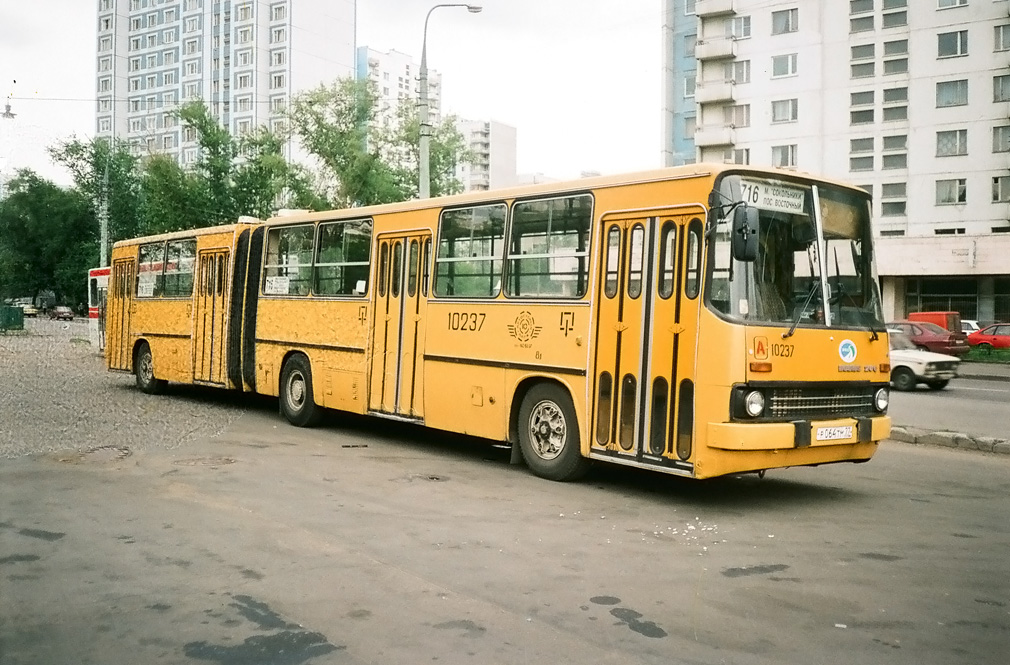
(798, 433)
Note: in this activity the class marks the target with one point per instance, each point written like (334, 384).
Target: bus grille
(819, 403)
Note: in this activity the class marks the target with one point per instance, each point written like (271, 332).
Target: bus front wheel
(143, 369)
(549, 434)
(297, 403)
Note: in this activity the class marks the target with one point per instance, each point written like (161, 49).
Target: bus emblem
(847, 351)
(524, 329)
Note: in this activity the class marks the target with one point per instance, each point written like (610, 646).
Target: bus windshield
(814, 247)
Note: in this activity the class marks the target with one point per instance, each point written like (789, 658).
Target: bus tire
(297, 403)
(143, 369)
(549, 434)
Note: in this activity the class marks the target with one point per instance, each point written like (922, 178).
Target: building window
(168, 141)
(690, 42)
(895, 113)
(244, 58)
(863, 70)
(243, 81)
(861, 117)
(899, 66)
(105, 125)
(896, 161)
(1001, 88)
(278, 13)
(738, 71)
(738, 28)
(952, 44)
(951, 143)
(104, 84)
(736, 116)
(784, 156)
(861, 145)
(191, 46)
(277, 104)
(860, 6)
(863, 52)
(894, 190)
(278, 35)
(1001, 37)
(787, 20)
(897, 47)
(278, 58)
(861, 24)
(894, 20)
(951, 192)
(277, 81)
(946, 4)
(893, 199)
(895, 95)
(689, 85)
(784, 65)
(170, 77)
(896, 142)
(861, 163)
(168, 57)
(1001, 139)
(861, 98)
(892, 208)
(952, 93)
(736, 156)
(785, 110)
(1001, 189)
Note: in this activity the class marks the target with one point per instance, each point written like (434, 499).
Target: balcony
(713, 91)
(711, 8)
(713, 135)
(715, 49)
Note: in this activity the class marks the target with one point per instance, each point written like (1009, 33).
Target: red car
(996, 336)
(931, 337)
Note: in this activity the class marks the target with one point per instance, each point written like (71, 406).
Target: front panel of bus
(792, 354)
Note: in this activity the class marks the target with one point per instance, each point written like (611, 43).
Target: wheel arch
(288, 355)
(141, 341)
(519, 394)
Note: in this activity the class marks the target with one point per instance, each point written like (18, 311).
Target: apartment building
(911, 100)
(492, 143)
(244, 58)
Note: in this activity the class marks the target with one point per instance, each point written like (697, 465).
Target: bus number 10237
(466, 321)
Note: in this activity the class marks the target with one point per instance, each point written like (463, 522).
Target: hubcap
(146, 368)
(548, 430)
(296, 390)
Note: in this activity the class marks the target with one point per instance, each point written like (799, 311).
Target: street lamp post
(424, 186)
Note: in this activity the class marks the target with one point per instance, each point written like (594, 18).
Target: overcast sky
(578, 79)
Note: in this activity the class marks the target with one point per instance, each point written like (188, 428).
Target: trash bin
(11, 318)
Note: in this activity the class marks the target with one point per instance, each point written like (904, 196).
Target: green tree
(446, 151)
(48, 239)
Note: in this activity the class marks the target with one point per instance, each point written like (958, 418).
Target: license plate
(832, 433)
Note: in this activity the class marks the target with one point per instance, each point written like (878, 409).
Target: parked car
(996, 336)
(968, 326)
(931, 337)
(30, 310)
(61, 313)
(911, 365)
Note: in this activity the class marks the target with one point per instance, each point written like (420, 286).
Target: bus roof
(225, 228)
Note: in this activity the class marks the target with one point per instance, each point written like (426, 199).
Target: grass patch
(977, 355)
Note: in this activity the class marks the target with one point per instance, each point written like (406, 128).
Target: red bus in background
(98, 287)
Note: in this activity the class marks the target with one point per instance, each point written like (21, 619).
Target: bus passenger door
(398, 327)
(645, 339)
(209, 321)
(118, 338)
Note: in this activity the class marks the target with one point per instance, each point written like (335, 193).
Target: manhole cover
(205, 461)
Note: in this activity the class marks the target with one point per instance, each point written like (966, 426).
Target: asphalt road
(973, 406)
(227, 536)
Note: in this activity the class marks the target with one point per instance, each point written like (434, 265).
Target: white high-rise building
(244, 58)
(395, 76)
(909, 99)
(493, 146)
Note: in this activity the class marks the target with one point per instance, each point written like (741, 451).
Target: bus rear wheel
(297, 403)
(549, 434)
(143, 369)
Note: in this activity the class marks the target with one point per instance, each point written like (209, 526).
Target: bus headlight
(881, 399)
(754, 403)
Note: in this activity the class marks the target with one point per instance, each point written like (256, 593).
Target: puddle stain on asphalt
(289, 646)
(472, 629)
(632, 619)
(18, 558)
(41, 535)
(285, 648)
(754, 570)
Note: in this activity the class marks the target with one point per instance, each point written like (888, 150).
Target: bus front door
(398, 327)
(646, 332)
(209, 320)
(118, 342)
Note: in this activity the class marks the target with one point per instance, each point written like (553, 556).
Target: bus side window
(693, 259)
(667, 259)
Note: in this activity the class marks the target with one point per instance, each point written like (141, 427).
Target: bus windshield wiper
(814, 286)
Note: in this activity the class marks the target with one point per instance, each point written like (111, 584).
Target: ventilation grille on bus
(819, 403)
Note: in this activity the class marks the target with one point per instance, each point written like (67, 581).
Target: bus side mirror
(745, 233)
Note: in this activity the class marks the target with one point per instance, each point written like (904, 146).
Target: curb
(986, 444)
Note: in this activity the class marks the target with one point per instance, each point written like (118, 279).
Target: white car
(911, 366)
(968, 326)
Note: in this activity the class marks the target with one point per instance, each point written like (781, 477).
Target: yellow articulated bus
(700, 320)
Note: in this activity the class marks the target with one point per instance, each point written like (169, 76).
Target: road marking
(985, 390)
